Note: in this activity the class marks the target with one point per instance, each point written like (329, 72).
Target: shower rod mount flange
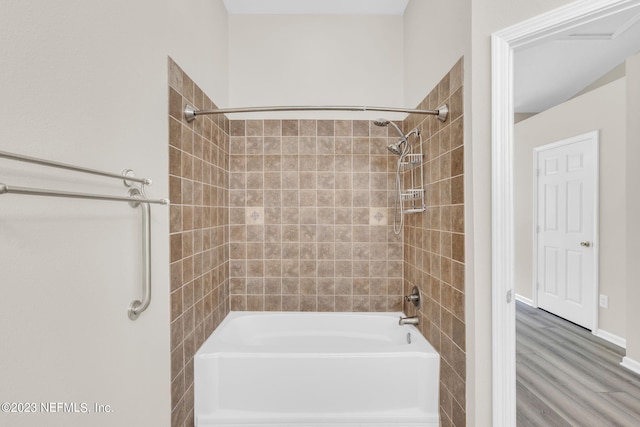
(443, 112)
(189, 113)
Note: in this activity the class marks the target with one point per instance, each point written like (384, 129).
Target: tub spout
(413, 320)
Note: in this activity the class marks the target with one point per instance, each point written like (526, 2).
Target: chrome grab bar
(136, 198)
(138, 306)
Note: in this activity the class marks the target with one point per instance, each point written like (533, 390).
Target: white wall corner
(631, 365)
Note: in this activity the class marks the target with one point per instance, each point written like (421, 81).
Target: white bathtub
(263, 369)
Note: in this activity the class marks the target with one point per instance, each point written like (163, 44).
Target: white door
(567, 203)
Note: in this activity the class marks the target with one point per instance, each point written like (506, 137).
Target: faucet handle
(414, 297)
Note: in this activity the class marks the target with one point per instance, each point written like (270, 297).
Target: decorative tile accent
(378, 216)
(254, 216)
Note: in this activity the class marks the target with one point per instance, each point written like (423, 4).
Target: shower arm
(416, 131)
(190, 112)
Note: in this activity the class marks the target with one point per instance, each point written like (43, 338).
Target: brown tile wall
(434, 243)
(296, 215)
(309, 218)
(199, 230)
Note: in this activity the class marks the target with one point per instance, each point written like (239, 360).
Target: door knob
(585, 244)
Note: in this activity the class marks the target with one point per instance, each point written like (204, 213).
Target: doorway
(504, 44)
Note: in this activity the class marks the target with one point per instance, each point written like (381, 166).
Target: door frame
(594, 138)
(503, 45)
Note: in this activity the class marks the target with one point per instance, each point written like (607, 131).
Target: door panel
(551, 207)
(551, 271)
(575, 207)
(574, 277)
(566, 211)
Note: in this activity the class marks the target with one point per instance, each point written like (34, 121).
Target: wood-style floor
(566, 376)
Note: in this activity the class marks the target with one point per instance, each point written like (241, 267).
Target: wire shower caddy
(412, 180)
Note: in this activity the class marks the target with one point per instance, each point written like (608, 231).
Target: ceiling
(553, 72)
(319, 7)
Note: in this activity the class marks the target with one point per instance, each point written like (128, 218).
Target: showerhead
(396, 148)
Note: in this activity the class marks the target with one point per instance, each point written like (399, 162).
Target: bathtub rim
(421, 345)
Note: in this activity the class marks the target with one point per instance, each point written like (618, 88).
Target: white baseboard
(608, 336)
(524, 300)
(631, 365)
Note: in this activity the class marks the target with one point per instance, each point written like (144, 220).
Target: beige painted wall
(83, 83)
(198, 40)
(487, 16)
(86, 83)
(436, 35)
(316, 60)
(633, 206)
(602, 109)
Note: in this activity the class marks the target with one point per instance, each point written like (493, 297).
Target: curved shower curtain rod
(190, 112)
